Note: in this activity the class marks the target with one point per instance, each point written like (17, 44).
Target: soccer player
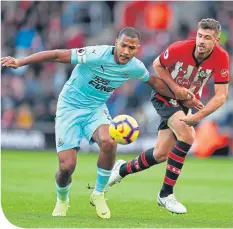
(190, 64)
(81, 109)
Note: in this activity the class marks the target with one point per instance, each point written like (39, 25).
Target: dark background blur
(29, 94)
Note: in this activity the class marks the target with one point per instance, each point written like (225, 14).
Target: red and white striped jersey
(179, 59)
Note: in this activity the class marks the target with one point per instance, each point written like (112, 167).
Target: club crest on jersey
(80, 51)
(224, 72)
(202, 75)
(126, 75)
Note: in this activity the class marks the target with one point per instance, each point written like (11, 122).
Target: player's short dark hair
(130, 32)
(210, 23)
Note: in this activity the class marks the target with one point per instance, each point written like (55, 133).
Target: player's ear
(116, 41)
(217, 39)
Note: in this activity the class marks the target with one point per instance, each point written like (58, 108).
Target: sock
(63, 192)
(102, 180)
(174, 165)
(144, 161)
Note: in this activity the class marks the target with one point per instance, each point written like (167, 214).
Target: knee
(108, 144)
(187, 135)
(160, 155)
(67, 166)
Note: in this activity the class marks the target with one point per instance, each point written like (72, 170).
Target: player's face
(205, 40)
(125, 49)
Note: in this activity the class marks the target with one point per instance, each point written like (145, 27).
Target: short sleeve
(87, 55)
(167, 57)
(221, 72)
(142, 73)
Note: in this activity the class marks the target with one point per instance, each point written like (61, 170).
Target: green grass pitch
(28, 194)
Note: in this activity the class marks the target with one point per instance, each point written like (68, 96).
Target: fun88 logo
(101, 84)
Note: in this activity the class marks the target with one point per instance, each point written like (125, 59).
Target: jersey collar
(195, 59)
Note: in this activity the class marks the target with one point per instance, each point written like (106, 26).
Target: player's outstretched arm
(221, 91)
(61, 56)
(181, 93)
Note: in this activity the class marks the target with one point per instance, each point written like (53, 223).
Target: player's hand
(183, 94)
(190, 119)
(9, 62)
(193, 103)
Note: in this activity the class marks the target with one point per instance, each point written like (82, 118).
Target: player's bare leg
(67, 163)
(146, 159)
(185, 138)
(105, 163)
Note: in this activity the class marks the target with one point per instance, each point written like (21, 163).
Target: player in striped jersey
(190, 64)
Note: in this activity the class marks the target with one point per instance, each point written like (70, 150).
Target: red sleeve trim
(225, 82)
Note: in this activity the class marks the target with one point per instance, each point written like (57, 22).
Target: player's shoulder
(100, 49)
(135, 60)
(138, 69)
(220, 52)
(185, 44)
(137, 63)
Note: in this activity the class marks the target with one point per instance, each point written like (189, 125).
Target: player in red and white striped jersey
(190, 64)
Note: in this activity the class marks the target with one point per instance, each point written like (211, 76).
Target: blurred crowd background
(29, 94)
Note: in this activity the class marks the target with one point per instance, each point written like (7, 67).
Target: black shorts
(166, 107)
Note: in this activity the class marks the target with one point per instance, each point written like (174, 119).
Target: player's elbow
(221, 99)
(62, 55)
(158, 67)
(156, 64)
(57, 56)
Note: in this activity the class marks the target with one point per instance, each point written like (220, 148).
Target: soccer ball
(124, 129)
